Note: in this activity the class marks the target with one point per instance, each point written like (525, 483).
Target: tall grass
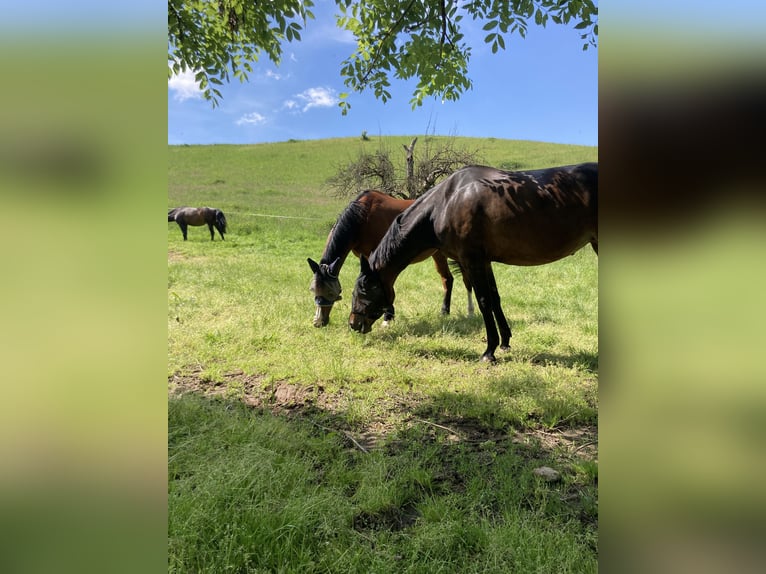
(298, 493)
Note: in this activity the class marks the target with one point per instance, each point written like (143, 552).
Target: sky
(542, 88)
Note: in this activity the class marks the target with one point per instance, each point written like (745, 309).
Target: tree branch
(386, 36)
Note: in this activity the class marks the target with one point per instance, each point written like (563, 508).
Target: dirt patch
(253, 390)
(392, 414)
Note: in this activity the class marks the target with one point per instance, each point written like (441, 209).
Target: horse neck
(344, 235)
(409, 235)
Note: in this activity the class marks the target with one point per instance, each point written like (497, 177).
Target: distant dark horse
(360, 228)
(185, 216)
(479, 215)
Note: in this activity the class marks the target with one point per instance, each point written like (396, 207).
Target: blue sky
(542, 88)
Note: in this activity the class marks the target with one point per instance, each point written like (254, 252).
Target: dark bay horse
(479, 215)
(185, 216)
(360, 228)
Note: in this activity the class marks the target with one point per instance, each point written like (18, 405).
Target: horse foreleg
(388, 316)
(482, 287)
(497, 311)
(442, 268)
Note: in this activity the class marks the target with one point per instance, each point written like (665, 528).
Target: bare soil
(293, 400)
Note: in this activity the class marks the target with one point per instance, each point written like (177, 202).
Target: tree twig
(346, 434)
(438, 426)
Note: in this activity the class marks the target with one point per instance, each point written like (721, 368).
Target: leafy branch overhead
(214, 38)
(396, 39)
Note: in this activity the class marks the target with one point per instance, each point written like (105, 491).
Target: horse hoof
(505, 348)
(488, 358)
(385, 324)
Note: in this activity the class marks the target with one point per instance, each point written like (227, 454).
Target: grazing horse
(360, 228)
(479, 215)
(185, 216)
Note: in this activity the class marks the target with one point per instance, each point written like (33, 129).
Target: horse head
(326, 288)
(368, 301)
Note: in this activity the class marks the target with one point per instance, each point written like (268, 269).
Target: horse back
(519, 218)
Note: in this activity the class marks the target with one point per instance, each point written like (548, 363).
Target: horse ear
(365, 265)
(313, 264)
(334, 266)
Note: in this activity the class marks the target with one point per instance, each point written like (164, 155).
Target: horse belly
(534, 242)
(514, 237)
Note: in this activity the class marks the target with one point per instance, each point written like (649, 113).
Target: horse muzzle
(322, 316)
(360, 323)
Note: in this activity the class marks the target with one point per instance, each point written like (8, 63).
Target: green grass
(251, 492)
(239, 329)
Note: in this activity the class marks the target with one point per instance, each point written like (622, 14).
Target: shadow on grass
(582, 360)
(468, 341)
(228, 463)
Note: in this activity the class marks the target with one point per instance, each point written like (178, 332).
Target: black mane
(405, 230)
(344, 232)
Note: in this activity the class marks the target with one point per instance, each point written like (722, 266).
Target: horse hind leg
(212, 232)
(442, 267)
(469, 291)
(594, 245)
(183, 227)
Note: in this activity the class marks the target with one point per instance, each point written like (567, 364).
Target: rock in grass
(547, 473)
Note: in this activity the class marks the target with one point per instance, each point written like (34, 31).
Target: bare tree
(368, 171)
(377, 170)
(440, 161)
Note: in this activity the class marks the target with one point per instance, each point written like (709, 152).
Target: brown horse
(479, 215)
(185, 216)
(360, 228)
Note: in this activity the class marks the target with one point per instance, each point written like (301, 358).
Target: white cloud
(185, 86)
(314, 98)
(251, 119)
(273, 75)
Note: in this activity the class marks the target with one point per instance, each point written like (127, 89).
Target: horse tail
(172, 214)
(221, 220)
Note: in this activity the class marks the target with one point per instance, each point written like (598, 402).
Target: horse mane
(397, 240)
(344, 231)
